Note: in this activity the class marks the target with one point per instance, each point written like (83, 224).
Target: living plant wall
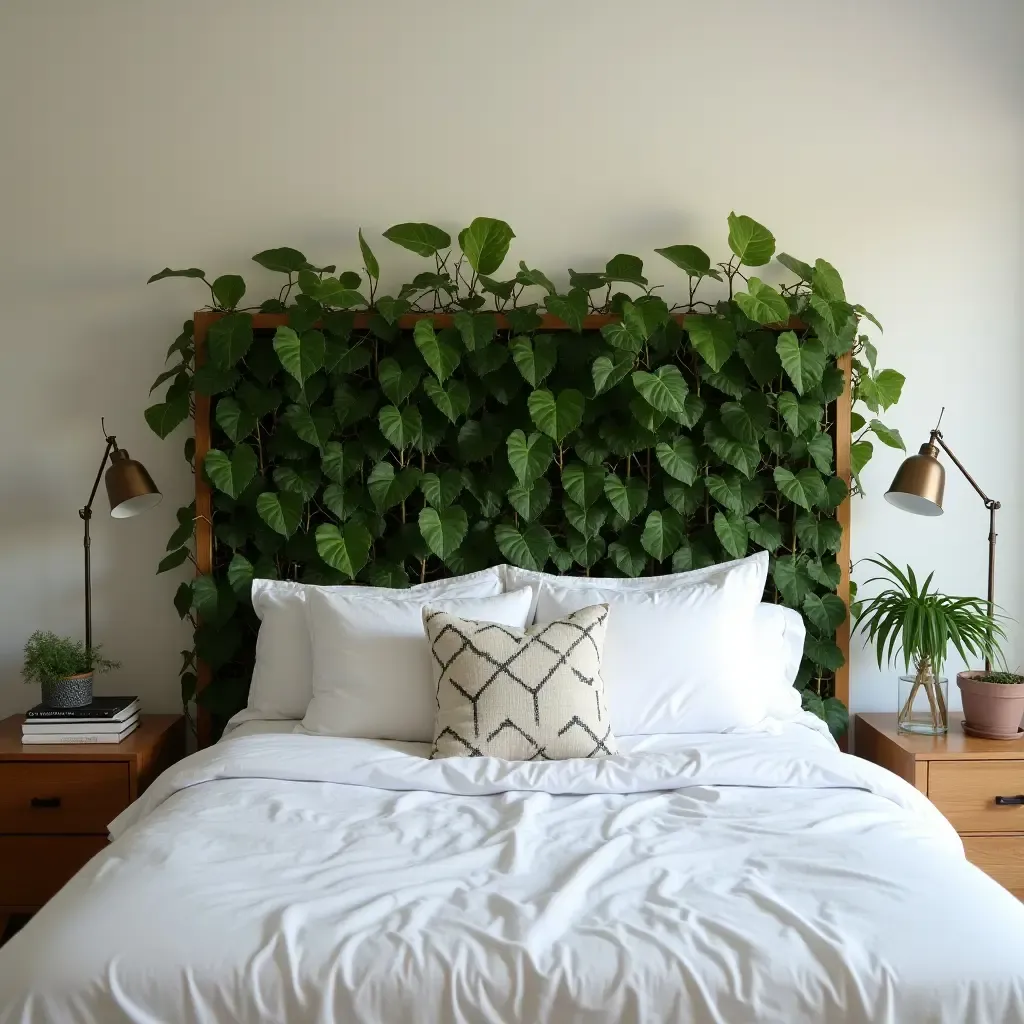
(357, 443)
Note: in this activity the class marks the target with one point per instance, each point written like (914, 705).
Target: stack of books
(105, 720)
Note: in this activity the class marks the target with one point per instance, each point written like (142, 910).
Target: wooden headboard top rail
(271, 321)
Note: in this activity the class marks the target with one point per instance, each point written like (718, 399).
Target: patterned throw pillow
(521, 694)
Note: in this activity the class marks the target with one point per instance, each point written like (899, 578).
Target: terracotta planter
(72, 692)
(991, 710)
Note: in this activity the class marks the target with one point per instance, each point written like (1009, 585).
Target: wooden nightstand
(57, 800)
(977, 784)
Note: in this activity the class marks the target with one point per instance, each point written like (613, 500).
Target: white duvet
(755, 877)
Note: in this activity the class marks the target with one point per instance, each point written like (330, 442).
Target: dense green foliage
(1003, 678)
(672, 437)
(49, 658)
(907, 618)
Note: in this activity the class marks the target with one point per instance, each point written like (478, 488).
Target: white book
(80, 737)
(76, 728)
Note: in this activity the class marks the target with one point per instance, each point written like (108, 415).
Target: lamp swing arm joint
(938, 440)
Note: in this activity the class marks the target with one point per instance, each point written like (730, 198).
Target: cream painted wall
(884, 136)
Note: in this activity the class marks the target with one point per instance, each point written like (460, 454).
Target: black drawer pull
(54, 801)
(1010, 801)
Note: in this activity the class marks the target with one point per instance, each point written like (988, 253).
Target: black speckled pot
(72, 692)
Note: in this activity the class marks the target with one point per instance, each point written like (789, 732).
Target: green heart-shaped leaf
(624, 267)
(300, 355)
(301, 480)
(173, 560)
(586, 551)
(762, 303)
(734, 492)
(678, 459)
(529, 549)
(240, 575)
(587, 521)
(758, 353)
(824, 571)
(804, 488)
(819, 448)
(826, 282)
(283, 260)
(397, 383)
(712, 336)
(628, 497)
(584, 484)
(402, 427)
(340, 461)
(488, 359)
(165, 416)
(629, 334)
(441, 490)
(391, 309)
(801, 269)
(422, 239)
(369, 260)
(453, 401)
(627, 555)
(752, 242)
(749, 418)
(485, 243)
(231, 474)
(530, 500)
(662, 534)
(664, 390)
(556, 417)
(476, 329)
(314, 426)
(790, 575)
(744, 457)
(530, 456)
(388, 488)
(695, 262)
(824, 653)
(607, 371)
(571, 309)
(345, 549)
(804, 362)
(280, 510)
(333, 292)
(802, 416)
(439, 354)
(443, 529)
(888, 387)
(534, 358)
(765, 532)
(684, 498)
(826, 612)
(229, 338)
(342, 501)
(731, 531)
(528, 276)
(820, 535)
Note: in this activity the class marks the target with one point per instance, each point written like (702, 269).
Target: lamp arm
(111, 446)
(992, 506)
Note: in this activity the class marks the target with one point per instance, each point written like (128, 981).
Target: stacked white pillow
(680, 649)
(282, 679)
(685, 652)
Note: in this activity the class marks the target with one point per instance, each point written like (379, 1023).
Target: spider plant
(919, 624)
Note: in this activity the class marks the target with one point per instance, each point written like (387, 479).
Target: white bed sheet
(745, 877)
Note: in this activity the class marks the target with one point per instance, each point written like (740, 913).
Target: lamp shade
(129, 487)
(919, 483)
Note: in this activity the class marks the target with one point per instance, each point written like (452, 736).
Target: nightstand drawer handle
(54, 801)
(1010, 801)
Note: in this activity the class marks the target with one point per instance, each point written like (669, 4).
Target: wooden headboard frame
(271, 321)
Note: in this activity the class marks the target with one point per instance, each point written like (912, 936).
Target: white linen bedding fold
(745, 877)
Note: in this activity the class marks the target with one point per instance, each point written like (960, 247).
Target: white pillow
(282, 678)
(778, 650)
(513, 578)
(372, 675)
(677, 659)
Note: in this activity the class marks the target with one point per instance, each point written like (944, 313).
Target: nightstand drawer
(966, 791)
(61, 796)
(33, 868)
(1001, 858)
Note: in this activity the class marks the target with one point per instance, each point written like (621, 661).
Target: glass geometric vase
(923, 705)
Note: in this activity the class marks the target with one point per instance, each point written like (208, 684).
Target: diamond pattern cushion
(532, 694)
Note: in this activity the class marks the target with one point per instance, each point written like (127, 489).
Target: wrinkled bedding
(761, 876)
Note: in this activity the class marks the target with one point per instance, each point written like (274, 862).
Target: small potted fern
(63, 667)
(920, 624)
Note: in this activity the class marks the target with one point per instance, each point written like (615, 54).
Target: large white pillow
(777, 651)
(372, 675)
(282, 679)
(677, 659)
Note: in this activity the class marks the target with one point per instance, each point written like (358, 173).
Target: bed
(763, 876)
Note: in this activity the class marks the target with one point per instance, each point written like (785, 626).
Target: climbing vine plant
(358, 443)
